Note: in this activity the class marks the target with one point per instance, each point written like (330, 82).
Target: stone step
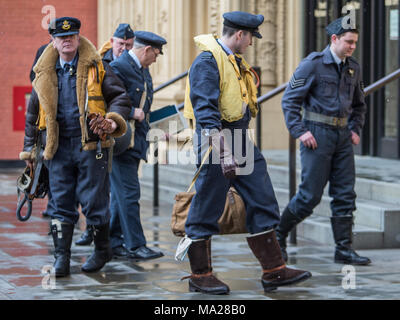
(318, 229)
(365, 188)
(369, 213)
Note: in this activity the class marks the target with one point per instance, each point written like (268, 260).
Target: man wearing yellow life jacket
(71, 82)
(221, 99)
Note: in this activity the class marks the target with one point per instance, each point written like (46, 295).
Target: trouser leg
(126, 192)
(257, 192)
(341, 189)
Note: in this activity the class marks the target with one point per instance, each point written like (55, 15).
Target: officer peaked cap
(340, 26)
(64, 26)
(244, 21)
(124, 31)
(150, 39)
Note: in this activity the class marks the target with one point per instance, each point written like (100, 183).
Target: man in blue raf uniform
(111, 50)
(121, 40)
(132, 67)
(221, 97)
(328, 85)
(71, 83)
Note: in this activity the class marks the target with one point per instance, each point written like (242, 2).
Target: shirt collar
(72, 63)
(223, 45)
(336, 58)
(135, 58)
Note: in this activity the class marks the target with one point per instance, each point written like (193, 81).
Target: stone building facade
(277, 53)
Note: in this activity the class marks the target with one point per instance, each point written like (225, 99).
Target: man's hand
(308, 140)
(226, 159)
(29, 163)
(138, 115)
(101, 126)
(355, 138)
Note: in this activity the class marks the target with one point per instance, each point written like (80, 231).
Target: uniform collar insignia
(351, 72)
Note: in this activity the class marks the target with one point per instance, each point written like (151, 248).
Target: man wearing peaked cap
(132, 67)
(328, 87)
(221, 97)
(70, 84)
(120, 41)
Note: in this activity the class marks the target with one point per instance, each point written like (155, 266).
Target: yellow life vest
(237, 87)
(96, 103)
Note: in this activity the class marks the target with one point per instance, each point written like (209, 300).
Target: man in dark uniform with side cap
(328, 86)
(221, 98)
(71, 83)
(132, 67)
(111, 50)
(121, 40)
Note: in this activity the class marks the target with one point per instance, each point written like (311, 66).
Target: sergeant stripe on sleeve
(296, 83)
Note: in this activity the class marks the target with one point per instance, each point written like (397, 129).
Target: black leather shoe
(85, 239)
(144, 253)
(120, 252)
(349, 256)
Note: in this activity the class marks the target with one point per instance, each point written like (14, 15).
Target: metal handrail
(382, 82)
(172, 81)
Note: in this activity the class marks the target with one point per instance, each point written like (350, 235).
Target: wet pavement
(26, 252)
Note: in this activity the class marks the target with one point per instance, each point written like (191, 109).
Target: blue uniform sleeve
(294, 96)
(204, 91)
(357, 117)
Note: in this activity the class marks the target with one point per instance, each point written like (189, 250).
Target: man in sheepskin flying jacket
(71, 84)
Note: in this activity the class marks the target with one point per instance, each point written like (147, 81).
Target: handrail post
(292, 181)
(155, 176)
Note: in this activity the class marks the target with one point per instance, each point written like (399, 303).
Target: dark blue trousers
(255, 188)
(125, 225)
(76, 176)
(333, 162)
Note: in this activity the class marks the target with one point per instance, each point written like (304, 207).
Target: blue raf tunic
(134, 78)
(319, 85)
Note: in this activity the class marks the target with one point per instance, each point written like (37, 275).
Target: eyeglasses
(156, 53)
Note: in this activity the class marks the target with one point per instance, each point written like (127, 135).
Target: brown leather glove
(99, 125)
(226, 159)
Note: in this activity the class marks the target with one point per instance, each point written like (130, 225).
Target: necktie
(341, 67)
(68, 68)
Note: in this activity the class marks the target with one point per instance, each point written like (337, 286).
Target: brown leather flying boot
(202, 278)
(275, 273)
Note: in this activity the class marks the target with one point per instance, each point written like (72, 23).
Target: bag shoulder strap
(198, 170)
(144, 96)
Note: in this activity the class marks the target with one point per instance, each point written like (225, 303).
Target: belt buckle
(335, 121)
